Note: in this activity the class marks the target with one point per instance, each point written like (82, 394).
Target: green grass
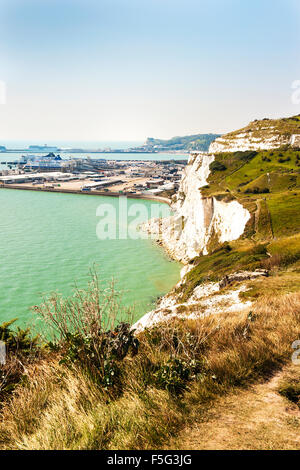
(220, 263)
(281, 282)
(264, 230)
(275, 182)
(269, 180)
(287, 248)
(269, 127)
(285, 213)
(289, 387)
(244, 168)
(60, 407)
(285, 253)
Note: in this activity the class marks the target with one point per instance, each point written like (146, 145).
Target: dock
(149, 197)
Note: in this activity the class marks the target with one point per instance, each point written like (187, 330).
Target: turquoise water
(48, 242)
(100, 144)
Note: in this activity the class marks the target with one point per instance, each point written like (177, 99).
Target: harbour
(49, 243)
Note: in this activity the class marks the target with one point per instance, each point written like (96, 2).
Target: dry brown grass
(256, 418)
(62, 408)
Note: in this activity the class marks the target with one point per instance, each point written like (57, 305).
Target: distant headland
(200, 142)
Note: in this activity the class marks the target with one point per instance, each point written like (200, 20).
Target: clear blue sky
(96, 70)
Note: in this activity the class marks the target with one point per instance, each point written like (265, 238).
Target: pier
(89, 193)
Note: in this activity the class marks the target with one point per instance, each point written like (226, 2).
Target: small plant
(290, 389)
(100, 358)
(284, 160)
(21, 349)
(217, 166)
(246, 156)
(175, 374)
(18, 340)
(85, 333)
(257, 190)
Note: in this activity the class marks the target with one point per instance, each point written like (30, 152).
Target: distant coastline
(175, 145)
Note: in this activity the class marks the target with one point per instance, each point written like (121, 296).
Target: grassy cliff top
(263, 128)
(186, 143)
(267, 183)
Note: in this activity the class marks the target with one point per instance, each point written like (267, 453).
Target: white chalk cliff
(187, 234)
(199, 223)
(197, 219)
(242, 142)
(266, 134)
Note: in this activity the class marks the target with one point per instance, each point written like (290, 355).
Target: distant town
(46, 148)
(50, 168)
(52, 172)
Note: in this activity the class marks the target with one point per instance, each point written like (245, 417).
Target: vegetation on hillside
(156, 385)
(21, 350)
(289, 387)
(223, 261)
(95, 385)
(188, 143)
(267, 183)
(264, 128)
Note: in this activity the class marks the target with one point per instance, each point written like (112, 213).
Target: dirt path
(258, 418)
(257, 215)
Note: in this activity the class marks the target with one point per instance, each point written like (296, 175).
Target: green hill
(261, 128)
(261, 134)
(265, 182)
(199, 142)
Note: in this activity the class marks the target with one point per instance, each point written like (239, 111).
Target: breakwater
(88, 193)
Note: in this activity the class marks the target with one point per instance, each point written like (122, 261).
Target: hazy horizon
(125, 70)
(71, 143)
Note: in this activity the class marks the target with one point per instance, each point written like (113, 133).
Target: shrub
(257, 190)
(21, 349)
(246, 156)
(85, 333)
(64, 409)
(18, 341)
(217, 166)
(101, 357)
(175, 374)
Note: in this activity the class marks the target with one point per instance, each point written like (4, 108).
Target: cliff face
(198, 221)
(203, 219)
(260, 135)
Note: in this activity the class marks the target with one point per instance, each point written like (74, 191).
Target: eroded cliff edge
(236, 219)
(198, 222)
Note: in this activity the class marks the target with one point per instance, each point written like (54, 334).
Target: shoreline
(89, 193)
(153, 198)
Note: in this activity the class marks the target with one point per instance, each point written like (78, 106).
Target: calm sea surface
(48, 242)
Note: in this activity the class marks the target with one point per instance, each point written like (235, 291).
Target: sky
(118, 70)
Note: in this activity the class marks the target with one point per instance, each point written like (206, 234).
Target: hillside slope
(187, 143)
(201, 361)
(241, 210)
(265, 134)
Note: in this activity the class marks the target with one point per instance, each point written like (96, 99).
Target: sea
(49, 242)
